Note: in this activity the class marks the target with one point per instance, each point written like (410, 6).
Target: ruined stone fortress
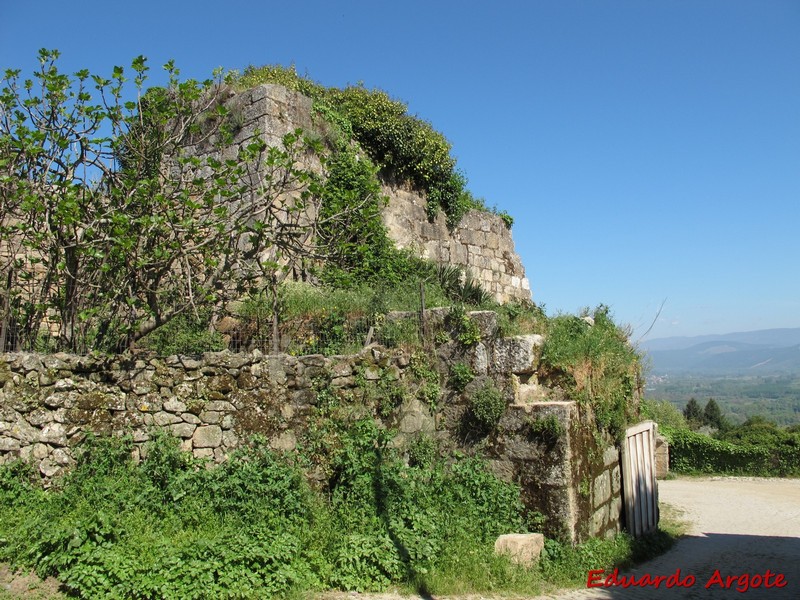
(213, 402)
(481, 243)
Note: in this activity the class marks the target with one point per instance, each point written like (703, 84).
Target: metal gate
(639, 487)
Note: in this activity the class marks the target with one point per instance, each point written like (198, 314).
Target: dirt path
(740, 526)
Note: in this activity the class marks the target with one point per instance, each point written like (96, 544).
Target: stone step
(530, 393)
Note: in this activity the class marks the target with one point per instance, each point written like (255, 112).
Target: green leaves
(251, 527)
(129, 206)
(402, 145)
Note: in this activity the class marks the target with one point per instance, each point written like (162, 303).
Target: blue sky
(648, 150)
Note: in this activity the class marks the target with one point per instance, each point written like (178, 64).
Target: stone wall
(213, 402)
(481, 243)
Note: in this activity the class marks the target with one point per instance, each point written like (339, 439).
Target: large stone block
(519, 354)
(522, 548)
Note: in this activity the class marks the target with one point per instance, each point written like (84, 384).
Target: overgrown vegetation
(252, 527)
(120, 216)
(756, 447)
(405, 147)
(115, 250)
(486, 405)
(591, 358)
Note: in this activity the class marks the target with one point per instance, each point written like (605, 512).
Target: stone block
(521, 548)
(54, 433)
(479, 359)
(229, 439)
(209, 436)
(40, 451)
(61, 456)
(610, 456)
(372, 373)
(221, 383)
(9, 444)
(162, 419)
(615, 510)
(183, 430)
(190, 418)
(519, 354)
(599, 520)
(616, 480)
(211, 417)
(219, 405)
(174, 406)
(40, 417)
(415, 418)
(48, 467)
(601, 488)
(286, 442)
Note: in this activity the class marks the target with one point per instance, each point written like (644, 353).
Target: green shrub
(691, 452)
(548, 428)
(664, 413)
(464, 329)
(252, 527)
(460, 376)
(423, 451)
(596, 365)
(486, 406)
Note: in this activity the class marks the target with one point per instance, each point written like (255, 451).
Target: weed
(595, 365)
(465, 330)
(486, 406)
(460, 376)
(548, 428)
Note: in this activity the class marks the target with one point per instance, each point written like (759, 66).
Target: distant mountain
(768, 351)
(774, 338)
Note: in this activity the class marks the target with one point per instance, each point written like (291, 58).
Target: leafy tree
(664, 413)
(119, 215)
(713, 417)
(693, 413)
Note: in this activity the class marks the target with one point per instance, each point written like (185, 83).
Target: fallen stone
(521, 548)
